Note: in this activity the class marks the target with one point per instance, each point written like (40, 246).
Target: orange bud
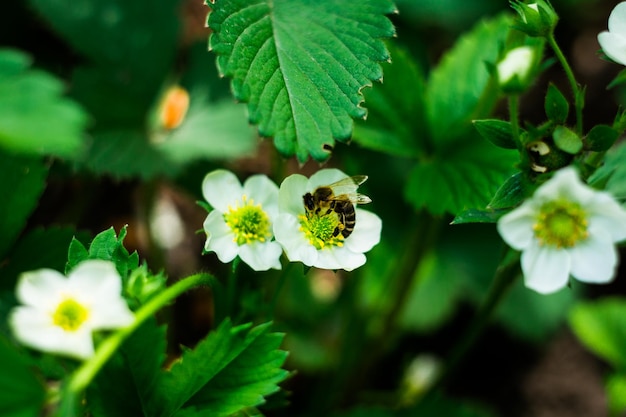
(174, 107)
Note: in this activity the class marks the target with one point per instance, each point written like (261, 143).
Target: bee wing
(348, 185)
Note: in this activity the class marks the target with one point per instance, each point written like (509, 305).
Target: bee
(340, 198)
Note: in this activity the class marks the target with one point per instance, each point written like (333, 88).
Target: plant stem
(88, 370)
(578, 97)
(505, 275)
(279, 285)
(514, 118)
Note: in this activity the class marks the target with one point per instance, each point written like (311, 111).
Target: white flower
(59, 314)
(613, 42)
(565, 228)
(311, 240)
(241, 222)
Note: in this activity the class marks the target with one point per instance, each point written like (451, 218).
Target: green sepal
(498, 132)
(600, 138)
(514, 190)
(567, 140)
(619, 79)
(479, 216)
(556, 105)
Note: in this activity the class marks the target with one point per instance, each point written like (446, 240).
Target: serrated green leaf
(76, 253)
(122, 386)
(21, 392)
(600, 138)
(50, 245)
(254, 374)
(498, 132)
(242, 362)
(22, 180)
(464, 177)
(35, 119)
(396, 118)
(459, 89)
(302, 86)
(514, 190)
(567, 140)
(106, 246)
(556, 105)
(601, 327)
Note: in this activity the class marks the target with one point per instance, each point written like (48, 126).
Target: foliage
(404, 94)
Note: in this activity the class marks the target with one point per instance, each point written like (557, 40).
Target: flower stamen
(70, 315)
(248, 221)
(561, 223)
(320, 229)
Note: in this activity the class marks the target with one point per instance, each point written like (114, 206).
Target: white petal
(595, 259)
(516, 227)
(94, 279)
(339, 258)
(565, 184)
(263, 191)
(41, 288)
(290, 194)
(219, 237)
(111, 314)
(606, 214)
(366, 233)
(546, 269)
(296, 246)
(261, 256)
(221, 188)
(35, 329)
(617, 19)
(325, 177)
(614, 46)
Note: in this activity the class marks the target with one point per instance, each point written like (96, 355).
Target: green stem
(514, 118)
(88, 370)
(231, 289)
(505, 275)
(578, 97)
(279, 285)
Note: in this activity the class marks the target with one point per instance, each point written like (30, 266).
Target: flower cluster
(565, 228)
(257, 221)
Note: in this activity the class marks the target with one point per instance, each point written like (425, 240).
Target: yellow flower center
(70, 315)
(319, 230)
(561, 223)
(248, 222)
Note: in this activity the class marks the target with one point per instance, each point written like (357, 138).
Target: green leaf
(22, 180)
(512, 193)
(395, 121)
(619, 79)
(612, 174)
(35, 119)
(461, 89)
(478, 216)
(567, 140)
(601, 327)
(303, 87)
(464, 177)
(556, 105)
(231, 369)
(498, 132)
(128, 376)
(21, 392)
(107, 246)
(210, 131)
(600, 138)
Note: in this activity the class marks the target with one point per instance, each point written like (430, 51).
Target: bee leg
(336, 231)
